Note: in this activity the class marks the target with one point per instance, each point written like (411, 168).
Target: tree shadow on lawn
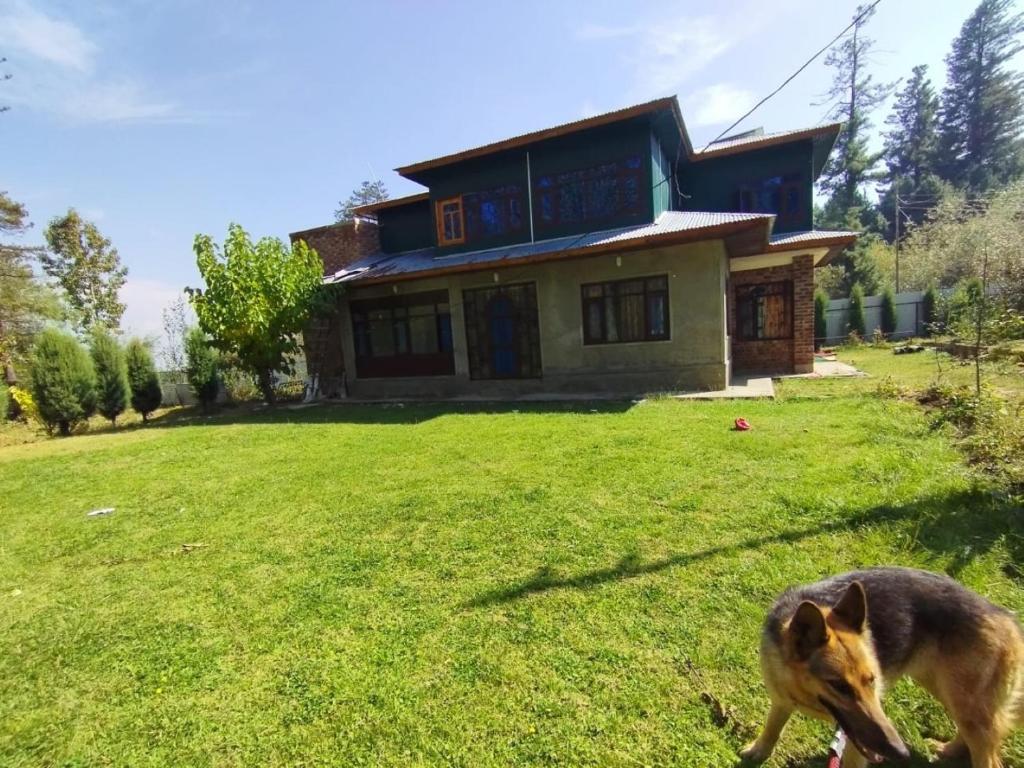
(961, 526)
(411, 412)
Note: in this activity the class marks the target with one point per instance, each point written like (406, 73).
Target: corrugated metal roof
(382, 265)
(809, 236)
(778, 137)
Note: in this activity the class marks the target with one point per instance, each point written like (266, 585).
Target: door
(502, 332)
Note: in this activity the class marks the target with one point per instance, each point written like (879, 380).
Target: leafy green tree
(63, 381)
(856, 321)
(889, 319)
(982, 109)
(258, 298)
(820, 317)
(202, 367)
(142, 378)
(25, 301)
(928, 306)
(368, 192)
(112, 388)
(87, 268)
(854, 95)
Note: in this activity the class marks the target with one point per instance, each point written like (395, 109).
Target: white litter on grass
(98, 512)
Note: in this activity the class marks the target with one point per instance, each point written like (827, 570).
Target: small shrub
(240, 386)
(112, 388)
(878, 338)
(25, 404)
(202, 367)
(143, 379)
(820, 321)
(890, 389)
(855, 321)
(5, 403)
(929, 317)
(888, 311)
(854, 339)
(63, 381)
(290, 391)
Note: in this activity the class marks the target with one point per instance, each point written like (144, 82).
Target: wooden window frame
(586, 301)
(786, 292)
(406, 363)
(755, 188)
(439, 216)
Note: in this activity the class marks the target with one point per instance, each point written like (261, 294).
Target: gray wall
(695, 356)
(908, 316)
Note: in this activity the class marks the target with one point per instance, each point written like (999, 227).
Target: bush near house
(63, 381)
(888, 311)
(112, 388)
(855, 322)
(142, 378)
(202, 367)
(820, 317)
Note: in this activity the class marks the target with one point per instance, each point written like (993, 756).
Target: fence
(909, 317)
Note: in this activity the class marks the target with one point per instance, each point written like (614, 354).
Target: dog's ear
(807, 629)
(852, 608)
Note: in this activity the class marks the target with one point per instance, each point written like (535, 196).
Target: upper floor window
(493, 212)
(626, 310)
(590, 194)
(764, 311)
(451, 229)
(780, 195)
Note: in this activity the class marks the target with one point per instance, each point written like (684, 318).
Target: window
(593, 194)
(493, 212)
(780, 195)
(626, 310)
(403, 335)
(502, 334)
(764, 311)
(450, 225)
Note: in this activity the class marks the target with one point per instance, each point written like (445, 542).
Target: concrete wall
(694, 357)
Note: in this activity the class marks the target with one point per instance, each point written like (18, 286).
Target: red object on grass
(742, 425)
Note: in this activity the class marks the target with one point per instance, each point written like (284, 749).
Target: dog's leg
(759, 750)
(953, 749)
(983, 745)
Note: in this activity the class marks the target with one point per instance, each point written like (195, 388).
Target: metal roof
(425, 260)
(743, 143)
(809, 237)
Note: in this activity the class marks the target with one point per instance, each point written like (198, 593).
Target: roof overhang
(826, 133)
(833, 244)
(396, 202)
(740, 238)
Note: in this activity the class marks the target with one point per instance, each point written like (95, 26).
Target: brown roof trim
(657, 105)
(311, 230)
(392, 203)
(836, 244)
(712, 232)
(768, 141)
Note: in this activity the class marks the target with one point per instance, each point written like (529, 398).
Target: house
(604, 256)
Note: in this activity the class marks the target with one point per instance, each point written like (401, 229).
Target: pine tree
(889, 318)
(856, 322)
(820, 318)
(201, 367)
(982, 111)
(911, 143)
(854, 95)
(112, 388)
(368, 192)
(63, 381)
(928, 304)
(143, 379)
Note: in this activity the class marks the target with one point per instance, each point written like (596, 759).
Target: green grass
(445, 585)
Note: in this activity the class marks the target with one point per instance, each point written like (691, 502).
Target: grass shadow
(938, 524)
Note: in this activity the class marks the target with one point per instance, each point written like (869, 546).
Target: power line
(803, 66)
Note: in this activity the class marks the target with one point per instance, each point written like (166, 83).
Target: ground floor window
(626, 310)
(502, 333)
(403, 335)
(764, 311)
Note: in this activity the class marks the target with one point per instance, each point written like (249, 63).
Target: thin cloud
(32, 32)
(718, 104)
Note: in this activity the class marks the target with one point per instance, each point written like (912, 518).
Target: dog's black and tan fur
(830, 648)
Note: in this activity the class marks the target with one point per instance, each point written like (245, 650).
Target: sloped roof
(834, 240)
(672, 227)
(759, 141)
(393, 202)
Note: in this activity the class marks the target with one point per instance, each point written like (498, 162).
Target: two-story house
(608, 255)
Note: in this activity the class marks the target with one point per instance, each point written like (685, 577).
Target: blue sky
(161, 120)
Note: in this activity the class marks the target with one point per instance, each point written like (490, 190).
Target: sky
(161, 120)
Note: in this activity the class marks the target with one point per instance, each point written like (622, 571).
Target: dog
(830, 648)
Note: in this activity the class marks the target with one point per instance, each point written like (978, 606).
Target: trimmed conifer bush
(63, 381)
(5, 403)
(112, 390)
(928, 313)
(820, 322)
(202, 367)
(888, 311)
(142, 379)
(856, 322)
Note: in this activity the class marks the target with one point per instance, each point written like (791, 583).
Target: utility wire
(803, 66)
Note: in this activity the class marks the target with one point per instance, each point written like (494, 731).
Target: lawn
(455, 585)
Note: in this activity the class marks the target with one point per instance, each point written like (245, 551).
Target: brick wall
(794, 355)
(341, 244)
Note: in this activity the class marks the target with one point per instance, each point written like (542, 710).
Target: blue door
(504, 337)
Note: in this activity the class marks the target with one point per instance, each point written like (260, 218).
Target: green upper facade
(615, 170)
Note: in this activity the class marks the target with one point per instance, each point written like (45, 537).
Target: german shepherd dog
(830, 648)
